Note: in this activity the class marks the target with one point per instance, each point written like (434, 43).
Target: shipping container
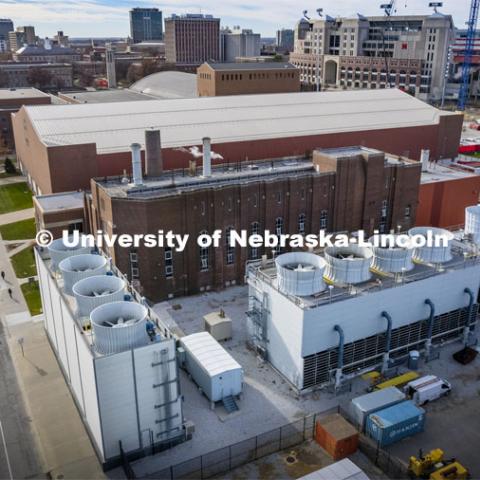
(391, 424)
(342, 470)
(336, 436)
(362, 406)
(214, 370)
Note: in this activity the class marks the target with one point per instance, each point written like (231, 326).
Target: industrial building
(336, 190)
(117, 357)
(238, 43)
(409, 52)
(215, 79)
(61, 147)
(324, 319)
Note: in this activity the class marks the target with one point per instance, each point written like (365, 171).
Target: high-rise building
(238, 43)
(408, 52)
(6, 26)
(146, 24)
(285, 39)
(192, 39)
(22, 36)
(61, 39)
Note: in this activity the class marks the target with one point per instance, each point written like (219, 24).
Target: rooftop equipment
(207, 157)
(392, 259)
(92, 292)
(119, 326)
(58, 251)
(136, 164)
(432, 254)
(300, 273)
(348, 265)
(153, 153)
(472, 223)
(75, 268)
(218, 325)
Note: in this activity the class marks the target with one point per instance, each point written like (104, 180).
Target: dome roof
(166, 85)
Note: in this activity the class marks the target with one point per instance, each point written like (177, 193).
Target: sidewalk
(62, 443)
(12, 217)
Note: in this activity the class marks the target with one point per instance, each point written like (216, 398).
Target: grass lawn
(22, 230)
(24, 263)
(31, 293)
(16, 196)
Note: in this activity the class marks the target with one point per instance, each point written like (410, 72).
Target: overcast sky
(110, 17)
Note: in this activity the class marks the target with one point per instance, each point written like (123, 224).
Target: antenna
(305, 14)
(435, 6)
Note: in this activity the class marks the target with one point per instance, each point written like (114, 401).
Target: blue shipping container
(391, 424)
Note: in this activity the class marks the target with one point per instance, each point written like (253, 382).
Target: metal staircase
(230, 404)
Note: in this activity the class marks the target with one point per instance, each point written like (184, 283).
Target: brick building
(341, 189)
(11, 100)
(54, 76)
(61, 147)
(216, 79)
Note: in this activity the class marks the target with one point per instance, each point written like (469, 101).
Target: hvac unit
(59, 251)
(119, 326)
(94, 291)
(392, 258)
(472, 223)
(432, 254)
(300, 273)
(75, 268)
(348, 265)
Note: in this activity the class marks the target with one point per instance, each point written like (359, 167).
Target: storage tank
(392, 259)
(300, 273)
(433, 254)
(394, 423)
(119, 326)
(58, 251)
(214, 370)
(364, 405)
(348, 265)
(94, 291)
(472, 222)
(75, 268)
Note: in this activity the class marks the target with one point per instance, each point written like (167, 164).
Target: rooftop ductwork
(300, 273)
(348, 265)
(94, 291)
(136, 164)
(432, 254)
(392, 259)
(207, 157)
(59, 251)
(472, 223)
(153, 153)
(119, 326)
(78, 267)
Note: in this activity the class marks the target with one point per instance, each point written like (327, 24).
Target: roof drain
(341, 349)
(428, 343)
(386, 355)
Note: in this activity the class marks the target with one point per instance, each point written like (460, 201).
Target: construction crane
(467, 59)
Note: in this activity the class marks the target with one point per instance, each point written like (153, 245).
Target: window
(323, 219)
(279, 197)
(254, 230)
(384, 209)
(408, 209)
(168, 254)
(229, 250)
(278, 232)
(301, 223)
(204, 256)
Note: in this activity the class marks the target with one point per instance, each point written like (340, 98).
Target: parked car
(426, 389)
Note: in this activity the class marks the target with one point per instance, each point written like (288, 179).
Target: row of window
(258, 76)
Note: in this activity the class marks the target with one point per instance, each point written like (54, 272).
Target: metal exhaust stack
(207, 157)
(341, 353)
(153, 153)
(136, 164)
(386, 355)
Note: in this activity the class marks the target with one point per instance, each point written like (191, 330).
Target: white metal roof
(343, 470)
(186, 121)
(209, 353)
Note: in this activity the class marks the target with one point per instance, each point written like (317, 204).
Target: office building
(192, 39)
(407, 52)
(47, 54)
(146, 24)
(39, 75)
(6, 26)
(285, 40)
(238, 43)
(22, 36)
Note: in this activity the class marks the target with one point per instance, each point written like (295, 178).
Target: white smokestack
(424, 158)
(207, 157)
(136, 164)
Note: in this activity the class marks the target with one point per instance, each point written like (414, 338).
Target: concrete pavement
(12, 217)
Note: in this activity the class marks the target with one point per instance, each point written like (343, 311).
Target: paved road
(18, 457)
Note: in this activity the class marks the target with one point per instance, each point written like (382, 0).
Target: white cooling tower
(391, 257)
(119, 326)
(300, 273)
(432, 254)
(94, 291)
(75, 268)
(472, 222)
(58, 251)
(348, 265)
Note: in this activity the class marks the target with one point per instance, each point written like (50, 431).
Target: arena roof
(183, 122)
(166, 85)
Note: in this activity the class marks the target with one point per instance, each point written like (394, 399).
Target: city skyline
(107, 18)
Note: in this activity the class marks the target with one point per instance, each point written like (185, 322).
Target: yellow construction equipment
(398, 381)
(433, 466)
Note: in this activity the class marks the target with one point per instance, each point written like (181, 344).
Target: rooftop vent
(434, 254)
(472, 222)
(75, 268)
(119, 326)
(300, 273)
(94, 291)
(58, 251)
(348, 265)
(392, 259)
